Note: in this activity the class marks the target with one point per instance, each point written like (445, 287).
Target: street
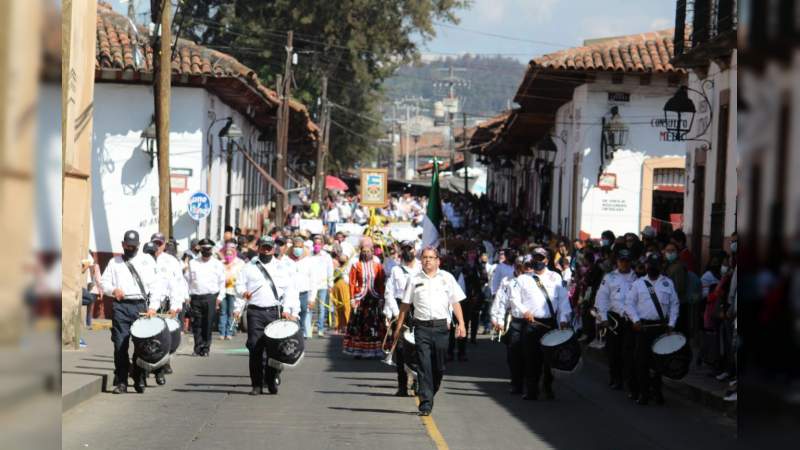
(332, 401)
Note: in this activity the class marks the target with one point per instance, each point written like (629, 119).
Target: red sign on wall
(607, 181)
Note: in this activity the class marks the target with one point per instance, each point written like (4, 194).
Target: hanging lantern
(679, 114)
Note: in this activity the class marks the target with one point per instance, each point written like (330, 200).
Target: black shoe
(473, 341)
(401, 393)
(278, 379)
(257, 391)
(120, 389)
(168, 370)
(530, 396)
(139, 387)
(272, 386)
(642, 400)
(424, 412)
(160, 380)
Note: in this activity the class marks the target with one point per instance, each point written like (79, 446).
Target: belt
(430, 323)
(132, 300)
(262, 308)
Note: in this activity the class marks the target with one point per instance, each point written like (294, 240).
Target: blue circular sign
(199, 206)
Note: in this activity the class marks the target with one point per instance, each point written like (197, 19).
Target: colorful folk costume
(366, 328)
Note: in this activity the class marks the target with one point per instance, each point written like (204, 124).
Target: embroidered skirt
(366, 329)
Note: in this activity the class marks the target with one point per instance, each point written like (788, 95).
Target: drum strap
(546, 297)
(656, 303)
(269, 280)
(138, 280)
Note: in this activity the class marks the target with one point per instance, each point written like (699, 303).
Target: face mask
(723, 270)
(605, 242)
(734, 246)
(128, 253)
(317, 248)
(264, 258)
(297, 251)
(206, 253)
(671, 256)
(653, 271)
(229, 258)
(538, 265)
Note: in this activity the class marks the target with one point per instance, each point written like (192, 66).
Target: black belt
(538, 319)
(262, 308)
(652, 322)
(132, 300)
(430, 323)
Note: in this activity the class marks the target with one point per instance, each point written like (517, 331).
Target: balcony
(704, 30)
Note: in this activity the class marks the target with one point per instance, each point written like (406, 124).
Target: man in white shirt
(270, 292)
(393, 296)
(171, 270)
(321, 280)
(651, 318)
(302, 282)
(513, 337)
(610, 304)
(544, 304)
(432, 292)
(503, 269)
(134, 282)
(206, 277)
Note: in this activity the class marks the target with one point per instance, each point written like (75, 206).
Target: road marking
(433, 430)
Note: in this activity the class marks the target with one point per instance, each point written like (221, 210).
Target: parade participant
(133, 281)
(178, 291)
(228, 315)
(610, 304)
(652, 305)
(395, 288)
(486, 309)
(501, 307)
(475, 277)
(366, 328)
(543, 302)
(321, 281)
(267, 287)
(206, 277)
(340, 294)
(503, 269)
(431, 292)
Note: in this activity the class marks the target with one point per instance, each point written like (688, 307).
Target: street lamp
(149, 136)
(545, 152)
(615, 133)
(679, 109)
(232, 134)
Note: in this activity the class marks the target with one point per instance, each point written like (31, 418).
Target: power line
(501, 36)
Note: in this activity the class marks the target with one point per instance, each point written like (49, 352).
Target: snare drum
(151, 342)
(561, 350)
(175, 334)
(410, 352)
(284, 343)
(671, 355)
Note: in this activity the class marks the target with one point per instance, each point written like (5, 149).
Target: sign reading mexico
(374, 187)
(199, 206)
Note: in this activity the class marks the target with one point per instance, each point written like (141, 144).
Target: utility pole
(284, 90)
(466, 152)
(322, 144)
(405, 147)
(162, 98)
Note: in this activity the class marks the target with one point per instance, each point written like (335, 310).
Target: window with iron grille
(669, 177)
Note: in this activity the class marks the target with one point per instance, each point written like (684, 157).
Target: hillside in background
(486, 83)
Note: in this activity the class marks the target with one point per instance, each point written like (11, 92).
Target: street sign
(199, 206)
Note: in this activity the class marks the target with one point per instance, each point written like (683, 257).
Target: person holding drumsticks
(268, 288)
(432, 292)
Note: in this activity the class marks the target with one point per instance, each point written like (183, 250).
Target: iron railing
(698, 22)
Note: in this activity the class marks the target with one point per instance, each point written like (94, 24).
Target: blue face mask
(671, 256)
(605, 242)
(297, 251)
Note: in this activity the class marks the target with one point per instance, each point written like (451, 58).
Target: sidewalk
(697, 386)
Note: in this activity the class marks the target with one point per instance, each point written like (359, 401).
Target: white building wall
(47, 171)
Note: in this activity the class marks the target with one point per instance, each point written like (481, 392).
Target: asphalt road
(334, 402)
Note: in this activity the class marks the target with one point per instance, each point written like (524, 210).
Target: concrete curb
(707, 398)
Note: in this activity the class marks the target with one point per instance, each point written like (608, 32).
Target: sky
(536, 26)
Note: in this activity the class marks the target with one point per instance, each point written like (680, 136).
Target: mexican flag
(433, 215)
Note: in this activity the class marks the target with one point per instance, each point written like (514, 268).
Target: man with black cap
(392, 297)
(206, 277)
(270, 292)
(132, 280)
(544, 303)
(652, 305)
(170, 269)
(610, 304)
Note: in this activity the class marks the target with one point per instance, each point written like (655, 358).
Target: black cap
(280, 242)
(207, 243)
(540, 251)
(149, 248)
(407, 243)
(266, 241)
(624, 253)
(654, 258)
(131, 238)
(158, 237)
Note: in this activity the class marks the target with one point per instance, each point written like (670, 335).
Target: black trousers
(431, 342)
(629, 357)
(536, 368)
(123, 316)
(454, 343)
(615, 341)
(648, 384)
(515, 354)
(257, 320)
(203, 312)
(472, 315)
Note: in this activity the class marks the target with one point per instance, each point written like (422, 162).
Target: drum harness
(657, 304)
(135, 275)
(268, 279)
(549, 303)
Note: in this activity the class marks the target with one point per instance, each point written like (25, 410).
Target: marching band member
(206, 277)
(432, 292)
(513, 337)
(266, 285)
(610, 303)
(393, 296)
(543, 301)
(652, 305)
(133, 281)
(172, 270)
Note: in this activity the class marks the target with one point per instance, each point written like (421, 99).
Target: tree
(357, 43)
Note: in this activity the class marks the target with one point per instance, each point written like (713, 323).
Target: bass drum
(174, 327)
(671, 355)
(410, 352)
(561, 350)
(151, 342)
(284, 343)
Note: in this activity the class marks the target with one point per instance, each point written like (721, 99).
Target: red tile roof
(126, 51)
(645, 52)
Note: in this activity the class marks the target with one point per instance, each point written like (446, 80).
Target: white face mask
(723, 270)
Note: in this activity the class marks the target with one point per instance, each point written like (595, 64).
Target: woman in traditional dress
(366, 328)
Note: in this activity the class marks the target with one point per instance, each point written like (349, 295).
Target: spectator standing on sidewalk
(302, 277)
(227, 309)
(321, 281)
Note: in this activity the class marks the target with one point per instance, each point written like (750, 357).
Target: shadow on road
(372, 410)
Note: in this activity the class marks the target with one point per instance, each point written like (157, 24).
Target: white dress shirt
(612, 293)
(252, 280)
(501, 304)
(530, 298)
(501, 271)
(206, 277)
(639, 305)
(172, 270)
(321, 270)
(432, 296)
(118, 276)
(396, 287)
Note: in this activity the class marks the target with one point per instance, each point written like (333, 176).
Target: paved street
(332, 401)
